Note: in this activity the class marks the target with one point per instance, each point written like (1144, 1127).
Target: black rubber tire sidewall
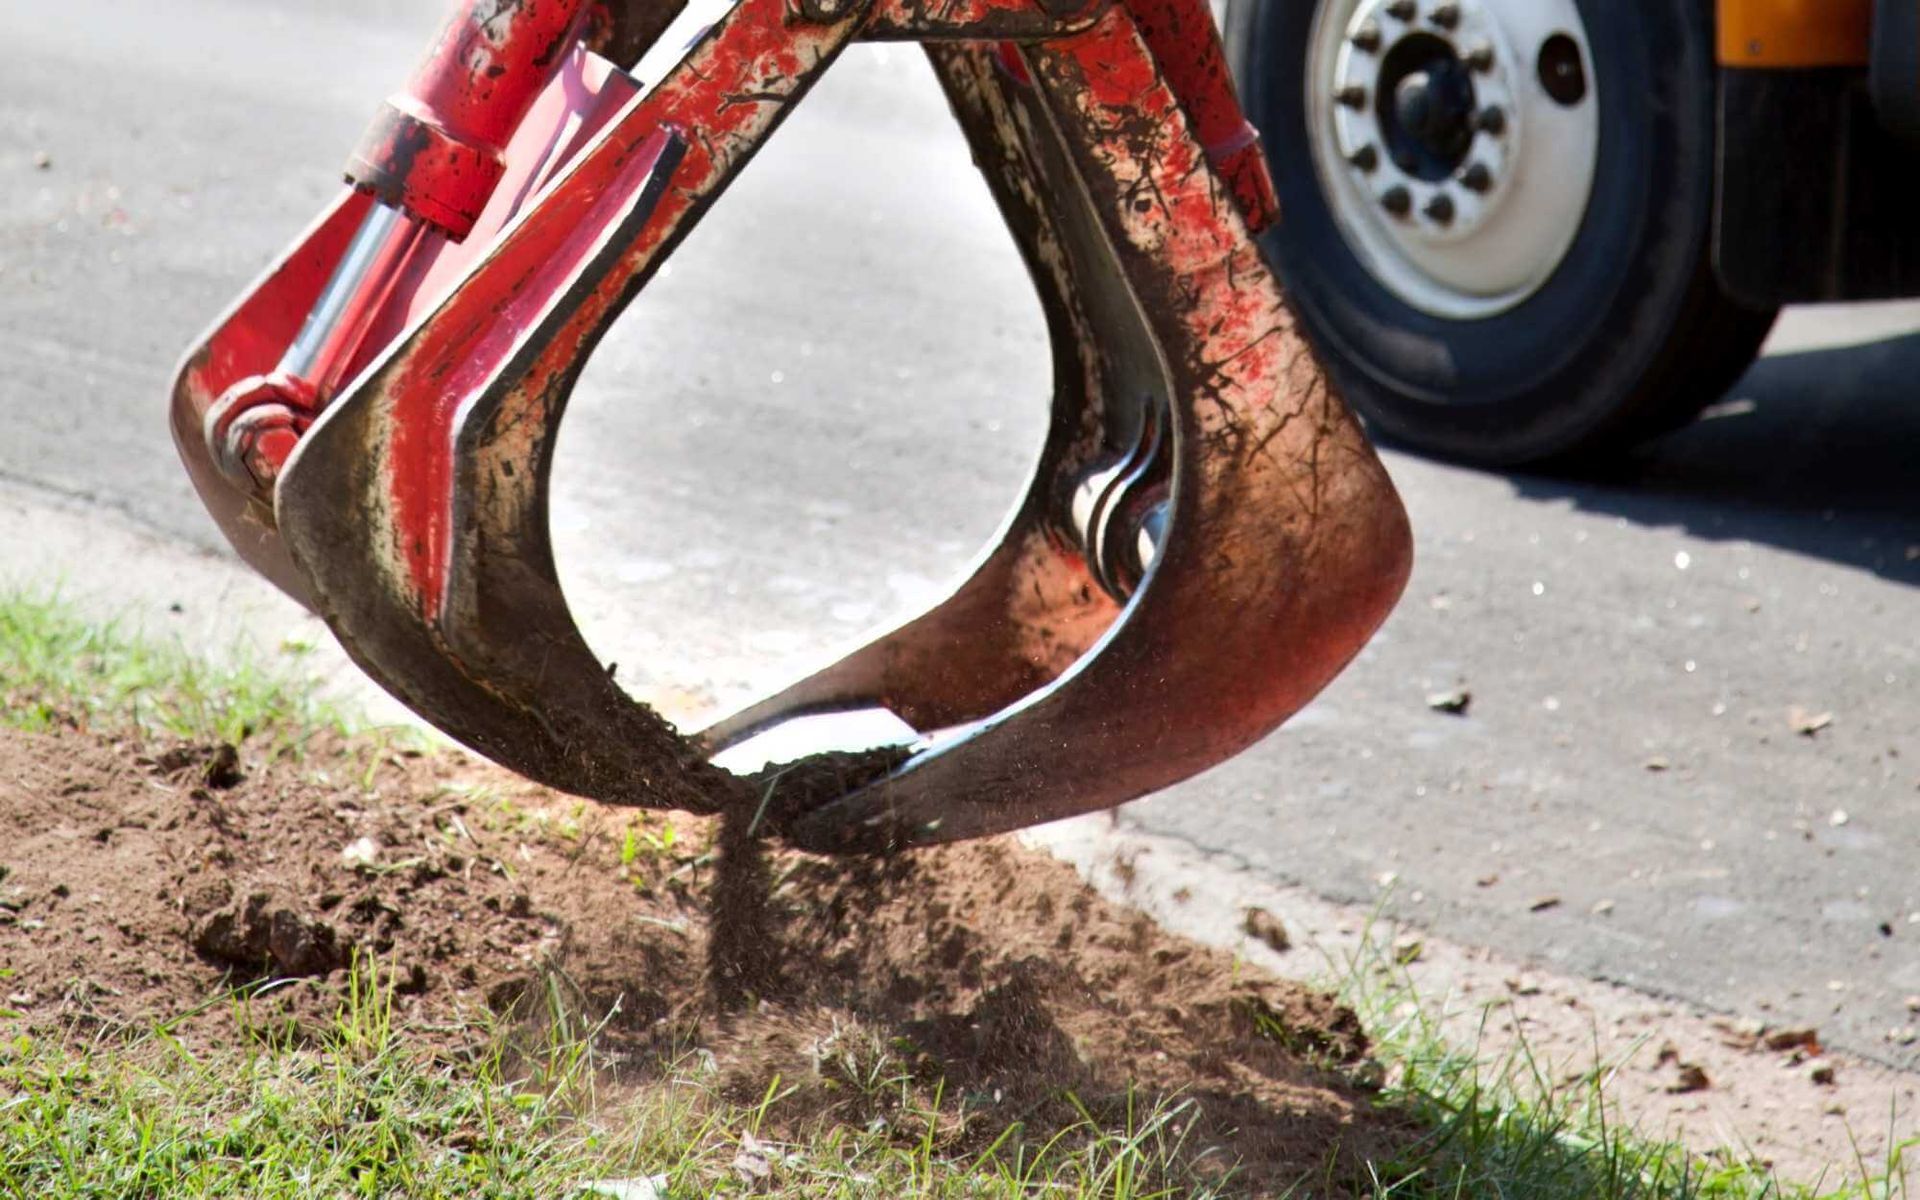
(1572, 365)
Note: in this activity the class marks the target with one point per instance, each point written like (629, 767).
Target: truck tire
(1496, 214)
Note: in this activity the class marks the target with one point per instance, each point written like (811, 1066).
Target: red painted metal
(585, 96)
(247, 341)
(438, 148)
(336, 331)
(474, 632)
(726, 91)
(434, 157)
(413, 510)
(1186, 45)
(253, 425)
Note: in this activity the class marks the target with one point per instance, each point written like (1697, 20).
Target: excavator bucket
(1206, 540)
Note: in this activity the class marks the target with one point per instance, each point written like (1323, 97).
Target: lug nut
(1398, 201)
(1479, 60)
(1352, 96)
(1477, 178)
(1440, 209)
(1366, 158)
(1446, 16)
(1491, 119)
(1366, 38)
(1403, 10)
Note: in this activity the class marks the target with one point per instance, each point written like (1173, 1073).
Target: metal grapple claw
(1206, 541)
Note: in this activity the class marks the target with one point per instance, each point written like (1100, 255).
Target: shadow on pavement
(1817, 453)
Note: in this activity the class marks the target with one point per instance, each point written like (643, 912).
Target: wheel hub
(1425, 106)
(1427, 115)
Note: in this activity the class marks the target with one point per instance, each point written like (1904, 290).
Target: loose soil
(147, 885)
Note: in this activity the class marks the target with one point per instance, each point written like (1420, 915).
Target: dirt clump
(136, 885)
(263, 935)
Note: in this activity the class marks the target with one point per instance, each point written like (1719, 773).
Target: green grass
(58, 669)
(361, 1112)
(364, 1110)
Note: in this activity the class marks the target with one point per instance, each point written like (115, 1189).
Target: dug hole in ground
(1082, 957)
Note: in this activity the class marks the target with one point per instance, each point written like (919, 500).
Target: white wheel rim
(1476, 242)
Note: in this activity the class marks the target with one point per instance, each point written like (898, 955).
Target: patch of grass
(360, 1112)
(363, 1110)
(57, 669)
(1498, 1126)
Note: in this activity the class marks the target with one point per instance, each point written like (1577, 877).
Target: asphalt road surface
(824, 409)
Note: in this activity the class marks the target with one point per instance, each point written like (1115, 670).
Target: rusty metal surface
(414, 510)
(1185, 42)
(978, 20)
(621, 31)
(1030, 607)
(1287, 546)
(417, 505)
